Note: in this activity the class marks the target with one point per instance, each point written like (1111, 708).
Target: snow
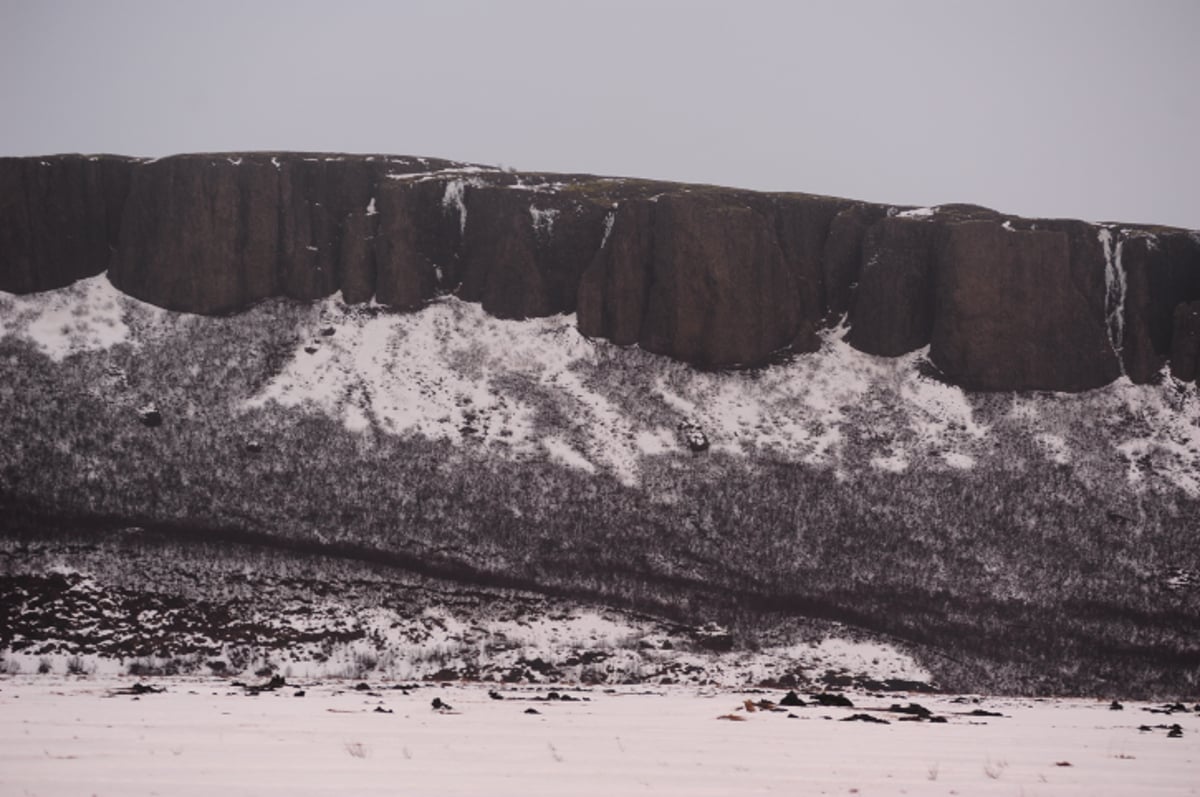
(560, 450)
(609, 218)
(453, 200)
(1115, 287)
(89, 315)
(917, 213)
(69, 736)
(371, 211)
(543, 220)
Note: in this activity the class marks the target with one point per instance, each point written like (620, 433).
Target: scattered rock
(1115, 706)
(532, 711)
(298, 693)
(865, 718)
(792, 699)
(830, 699)
(382, 710)
(440, 705)
(494, 695)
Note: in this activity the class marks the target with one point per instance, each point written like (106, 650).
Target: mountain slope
(1020, 541)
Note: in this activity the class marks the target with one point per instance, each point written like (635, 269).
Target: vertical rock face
(614, 288)
(804, 224)
(843, 256)
(525, 252)
(894, 305)
(1011, 314)
(721, 292)
(201, 233)
(59, 218)
(1185, 350)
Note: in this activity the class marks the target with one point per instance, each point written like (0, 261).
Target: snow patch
(89, 315)
(1115, 287)
(543, 220)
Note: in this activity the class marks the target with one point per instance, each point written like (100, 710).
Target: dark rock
(525, 252)
(830, 699)
(721, 292)
(1116, 706)
(865, 718)
(201, 233)
(362, 687)
(792, 699)
(59, 218)
(382, 710)
(1176, 732)
(494, 695)
(532, 711)
(440, 705)
(614, 288)
(979, 712)
(1156, 273)
(803, 224)
(843, 256)
(1185, 342)
(298, 693)
(1014, 313)
(914, 709)
(405, 260)
(150, 417)
(894, 304)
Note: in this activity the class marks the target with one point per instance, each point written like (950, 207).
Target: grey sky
(1082, 109)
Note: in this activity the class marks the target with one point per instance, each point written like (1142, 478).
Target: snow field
(202, 737)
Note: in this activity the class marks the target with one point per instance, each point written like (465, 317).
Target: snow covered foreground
(62, 736)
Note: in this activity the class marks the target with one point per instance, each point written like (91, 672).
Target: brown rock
(59, 218)
(804, 227)
(1012, 314)
(614, 289)
(1185, 342)
(525, 252)
(894, 303)
(721, 292)
(843, 256)
(201, 233)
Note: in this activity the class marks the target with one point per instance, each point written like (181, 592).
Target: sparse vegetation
(1023, 575)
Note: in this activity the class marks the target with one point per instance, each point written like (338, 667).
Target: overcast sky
(1084, 109)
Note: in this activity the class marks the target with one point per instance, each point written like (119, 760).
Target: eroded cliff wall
(716, 277)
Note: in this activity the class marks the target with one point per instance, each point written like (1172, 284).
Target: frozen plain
(202, 736)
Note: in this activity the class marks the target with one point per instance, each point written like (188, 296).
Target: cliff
(713, 276)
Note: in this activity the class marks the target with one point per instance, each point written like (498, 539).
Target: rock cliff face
(716, 277)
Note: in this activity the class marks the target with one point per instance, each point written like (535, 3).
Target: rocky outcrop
(716, 277)
(59, 218)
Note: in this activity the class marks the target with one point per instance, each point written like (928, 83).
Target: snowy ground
(61, 736)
